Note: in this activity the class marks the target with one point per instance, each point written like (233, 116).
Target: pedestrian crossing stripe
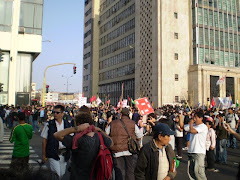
(10, 147)
(6, 150)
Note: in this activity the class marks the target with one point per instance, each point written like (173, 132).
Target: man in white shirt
(197, 148)
(53, 149)
(232, 120)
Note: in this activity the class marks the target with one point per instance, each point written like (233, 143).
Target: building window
(176, 56)
(31, 17)
(176, 77)
(176, 99)
(6, 15)
(175, 35)
(175, 15)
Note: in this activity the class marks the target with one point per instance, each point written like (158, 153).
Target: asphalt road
(226, 172)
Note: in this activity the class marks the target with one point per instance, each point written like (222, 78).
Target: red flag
(108, 101)
(129, 99)
(93, 98)
(213, 103)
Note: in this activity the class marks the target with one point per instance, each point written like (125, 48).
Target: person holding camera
(232, 120)
(197, 148)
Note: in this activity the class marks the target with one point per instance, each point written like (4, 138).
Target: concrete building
(215, 50)
(33, 91)
(51, 97)
(169, 51)
(21, 43)
(109, 59)
(91, 48)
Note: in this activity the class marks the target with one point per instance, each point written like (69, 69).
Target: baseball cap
(163, 129)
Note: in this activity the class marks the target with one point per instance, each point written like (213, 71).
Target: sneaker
(185, 148)
(179, 157)
(39, 130)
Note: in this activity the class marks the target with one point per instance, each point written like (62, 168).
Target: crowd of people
(142, 147)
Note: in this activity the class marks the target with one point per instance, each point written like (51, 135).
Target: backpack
(103, 164)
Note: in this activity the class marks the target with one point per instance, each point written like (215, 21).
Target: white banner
(124, 103)
(224, 102)
(98, 101)
(82, 101)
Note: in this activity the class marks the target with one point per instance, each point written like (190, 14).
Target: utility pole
(44, 79)
(67, 85)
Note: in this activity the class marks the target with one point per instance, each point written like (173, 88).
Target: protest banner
(82, 101)
(144, 106)
(124, 103)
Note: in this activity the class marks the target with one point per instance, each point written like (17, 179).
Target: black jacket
(148, 161)
(52, 146)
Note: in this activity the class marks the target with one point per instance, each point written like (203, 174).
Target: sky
(63, 25)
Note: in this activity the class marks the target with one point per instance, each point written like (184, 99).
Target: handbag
(133, 145)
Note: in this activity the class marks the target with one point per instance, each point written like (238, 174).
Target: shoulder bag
(133, 145)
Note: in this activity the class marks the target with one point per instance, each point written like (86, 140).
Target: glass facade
(216, 37)
(31, 16)
(23, 74)
(113, 91)
(6, 7)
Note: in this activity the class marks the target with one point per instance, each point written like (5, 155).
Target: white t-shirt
(163, 166)
(198, 140)
(60, 127)
(178, 133)
(231, 119)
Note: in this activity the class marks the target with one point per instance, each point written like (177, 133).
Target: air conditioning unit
(212, 60)
(21, 30)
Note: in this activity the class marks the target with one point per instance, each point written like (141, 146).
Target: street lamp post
(67, 82)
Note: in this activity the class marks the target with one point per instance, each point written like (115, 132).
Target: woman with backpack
(85, 147)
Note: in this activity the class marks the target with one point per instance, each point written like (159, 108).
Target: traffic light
(47, 88)
(74, 69)
(1, 87)
(1, 55)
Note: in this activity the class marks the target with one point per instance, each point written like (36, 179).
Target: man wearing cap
(124, 161)
(156, 158)
(232, 120)
(197, 148)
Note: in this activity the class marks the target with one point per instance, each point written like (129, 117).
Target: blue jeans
(232, 142)
(221, 150)
(196, 167)
(35, 125)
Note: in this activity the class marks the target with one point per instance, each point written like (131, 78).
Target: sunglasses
(56, 112)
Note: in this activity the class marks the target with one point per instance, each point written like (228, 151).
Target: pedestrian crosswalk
(6, 149)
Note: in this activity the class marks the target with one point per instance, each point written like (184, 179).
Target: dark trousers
(179, 143)
(210, 159)
(124, 167)
(19, 164)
